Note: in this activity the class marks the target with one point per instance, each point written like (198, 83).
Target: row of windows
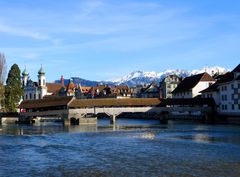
(30, 96)
(224, 97)
(232, 86)
(224, 88)
(224, 107)
(182, 93)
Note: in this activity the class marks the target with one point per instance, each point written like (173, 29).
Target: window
(222, 107)
(34, 97)
(30, 96)
(232, 106)
(39, 96)
(223, 97)
(232, 86)
(238, 85)
(226, 97)
(225, 107)
(26, 96)
(238, 106)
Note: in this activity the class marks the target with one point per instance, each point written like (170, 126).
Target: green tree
(13, 89)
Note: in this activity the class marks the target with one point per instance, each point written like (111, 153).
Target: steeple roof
(41, 71)
(25, 73)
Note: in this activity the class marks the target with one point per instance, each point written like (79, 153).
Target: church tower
(42, 83)
(41, 77)
(24, 77)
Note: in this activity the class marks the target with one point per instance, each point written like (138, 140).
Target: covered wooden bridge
(68, 108)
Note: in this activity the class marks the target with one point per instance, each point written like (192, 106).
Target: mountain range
(145, 77)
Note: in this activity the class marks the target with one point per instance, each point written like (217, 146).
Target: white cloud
(22, 32)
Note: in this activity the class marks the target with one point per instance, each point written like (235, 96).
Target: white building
(191, 86)
(226, 92)
(168, 84)
(37, 90)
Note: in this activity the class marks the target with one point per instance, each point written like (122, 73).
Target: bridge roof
(48, 101)
(80, 103)
(187, 101)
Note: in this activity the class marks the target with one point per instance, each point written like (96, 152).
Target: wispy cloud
(16, 31)
(140, 34)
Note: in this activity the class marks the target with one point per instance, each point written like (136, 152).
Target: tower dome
(25, 73)
(41, 71)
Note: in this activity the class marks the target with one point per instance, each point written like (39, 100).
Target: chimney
(62, 80)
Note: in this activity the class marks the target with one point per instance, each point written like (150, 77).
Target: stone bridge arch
(74, 121)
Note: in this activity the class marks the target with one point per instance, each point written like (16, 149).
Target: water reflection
(42, 128)
(130, 148)
(203, 138)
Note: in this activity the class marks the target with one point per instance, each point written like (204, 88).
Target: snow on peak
(210, 70)
(138, 77)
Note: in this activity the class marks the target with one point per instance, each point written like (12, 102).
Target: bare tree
(3, 69)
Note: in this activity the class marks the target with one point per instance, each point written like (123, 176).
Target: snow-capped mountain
(141, 77)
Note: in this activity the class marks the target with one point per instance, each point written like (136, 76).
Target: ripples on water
(131, 148)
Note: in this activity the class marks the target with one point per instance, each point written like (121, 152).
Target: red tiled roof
(48, 101)
(53, 88)
(190, 82)
(114, 102)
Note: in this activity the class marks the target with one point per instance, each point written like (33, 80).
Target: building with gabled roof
(226, 92)
(191, 86)
(122, 91)
(151, 91)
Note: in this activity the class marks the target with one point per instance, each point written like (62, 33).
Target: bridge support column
(112, 119)
(209, 118)
(164, 117)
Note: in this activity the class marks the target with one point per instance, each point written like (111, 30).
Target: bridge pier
(209, 117)
(112, 119)
(164, 116)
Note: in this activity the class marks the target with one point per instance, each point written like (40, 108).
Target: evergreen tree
(13, 90)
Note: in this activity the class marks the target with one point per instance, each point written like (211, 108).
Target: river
(130, 148)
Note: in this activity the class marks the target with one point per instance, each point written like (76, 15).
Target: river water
(130, 148)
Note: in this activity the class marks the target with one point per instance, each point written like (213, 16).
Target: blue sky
(106, 39)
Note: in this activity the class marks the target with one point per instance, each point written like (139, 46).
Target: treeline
(12, 91)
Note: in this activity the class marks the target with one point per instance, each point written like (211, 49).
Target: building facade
(168, 84)
(37, 90)
(192, 86)
(226, 93)
(151, 91)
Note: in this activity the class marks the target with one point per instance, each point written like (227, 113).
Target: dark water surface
(131, 148)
